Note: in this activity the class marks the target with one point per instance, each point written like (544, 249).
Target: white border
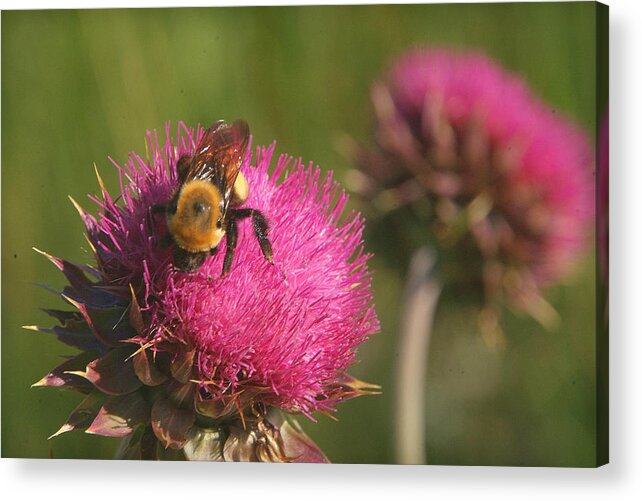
(92, 480)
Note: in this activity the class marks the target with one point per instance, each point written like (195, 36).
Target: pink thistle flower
(508, 180)
(205, 363)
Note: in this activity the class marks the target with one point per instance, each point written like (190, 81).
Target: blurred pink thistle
(508, 180)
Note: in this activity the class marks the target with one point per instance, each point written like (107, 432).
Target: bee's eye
(172, 207)
(219, 223)
(198, 207)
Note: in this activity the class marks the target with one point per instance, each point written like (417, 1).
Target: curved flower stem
(420, 301)
(122, 447)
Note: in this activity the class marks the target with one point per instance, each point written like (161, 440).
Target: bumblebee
(206, 205)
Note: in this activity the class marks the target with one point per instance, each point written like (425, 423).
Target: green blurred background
(78, 86)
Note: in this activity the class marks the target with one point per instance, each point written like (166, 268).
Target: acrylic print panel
(391, 250)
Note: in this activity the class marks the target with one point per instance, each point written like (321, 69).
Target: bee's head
(194, 217)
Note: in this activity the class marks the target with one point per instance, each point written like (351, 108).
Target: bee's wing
(219, 156)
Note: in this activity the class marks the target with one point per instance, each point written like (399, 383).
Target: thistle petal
(109, 325)
(60, 376)
(171, 424)
(240, 446)
(83, 415)
(204, 444)
(182, 366)
(299, 446)
(81, 288)
(146, 370)
(114, 373)
(135, 315)
(120, 415)
(73, 333)
(351, 387)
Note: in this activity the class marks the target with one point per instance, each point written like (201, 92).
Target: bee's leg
(231, 237)
(166, 241)
(260, 229)
(151, 212)
(213, 251)
(182, 166)
(149, 220)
